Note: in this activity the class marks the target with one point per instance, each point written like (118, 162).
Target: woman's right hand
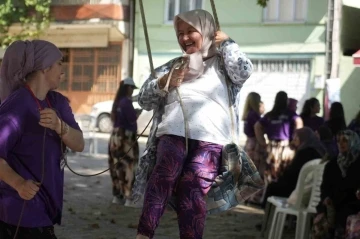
(177, 78)
(27, 189)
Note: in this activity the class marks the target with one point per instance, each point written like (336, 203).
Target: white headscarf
(204, 23)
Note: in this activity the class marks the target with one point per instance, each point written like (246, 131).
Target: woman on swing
(204, 94)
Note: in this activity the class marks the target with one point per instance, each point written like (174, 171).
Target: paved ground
(88, 211)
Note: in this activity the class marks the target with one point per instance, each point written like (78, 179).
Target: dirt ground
(89, 213)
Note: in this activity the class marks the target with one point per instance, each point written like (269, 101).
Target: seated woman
(307, 147)
(327, 139)
(341, 180)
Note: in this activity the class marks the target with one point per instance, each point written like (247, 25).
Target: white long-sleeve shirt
(206, 105)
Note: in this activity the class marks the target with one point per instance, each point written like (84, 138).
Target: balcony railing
(81, 2)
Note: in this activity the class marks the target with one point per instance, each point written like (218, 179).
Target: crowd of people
(292, 141)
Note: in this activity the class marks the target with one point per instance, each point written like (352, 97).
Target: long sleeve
(129, 112)
(237, 65)
(150, 93)
(292, 172)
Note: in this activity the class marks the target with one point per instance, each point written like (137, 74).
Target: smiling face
(189, 38)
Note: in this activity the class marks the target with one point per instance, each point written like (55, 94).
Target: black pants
(8, 232)
(279, 189)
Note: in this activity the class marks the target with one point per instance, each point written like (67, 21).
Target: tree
(262, 3)
(32, 15)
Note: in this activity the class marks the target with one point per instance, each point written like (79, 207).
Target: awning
(79, 35)
(356, 58)
(350, 30)
(64, 36)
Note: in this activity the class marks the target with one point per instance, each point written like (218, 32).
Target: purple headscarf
(22, 58)
(308, 139)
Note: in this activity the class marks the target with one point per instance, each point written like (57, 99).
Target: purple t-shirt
(125, 115)
(313, 122)
(280, 127)
(251, 120)
(21, 145)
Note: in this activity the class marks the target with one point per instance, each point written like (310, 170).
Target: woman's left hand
(50, 120)
(220, 37)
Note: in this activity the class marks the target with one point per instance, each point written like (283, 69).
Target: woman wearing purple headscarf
(36, 126)
(204, 94)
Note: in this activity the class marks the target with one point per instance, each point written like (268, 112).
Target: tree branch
(32, 15)
(262, 3)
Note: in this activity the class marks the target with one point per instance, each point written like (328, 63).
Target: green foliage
(32, 15)
(262, 3)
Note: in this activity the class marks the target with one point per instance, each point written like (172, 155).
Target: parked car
(101, 112)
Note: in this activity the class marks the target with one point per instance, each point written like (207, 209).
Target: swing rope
(216, 19)
(152, 70)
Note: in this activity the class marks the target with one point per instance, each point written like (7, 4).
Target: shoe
(117, 200)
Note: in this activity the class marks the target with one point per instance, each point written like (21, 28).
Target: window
(64, 85)
(284, 11)
(91, 69)
(288, 66)
(174, 7)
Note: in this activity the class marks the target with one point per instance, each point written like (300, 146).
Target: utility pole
(332, 50)
(131, 39)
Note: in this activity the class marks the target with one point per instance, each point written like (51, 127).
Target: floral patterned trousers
(190, 178)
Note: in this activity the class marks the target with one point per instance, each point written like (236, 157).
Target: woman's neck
(39, 88)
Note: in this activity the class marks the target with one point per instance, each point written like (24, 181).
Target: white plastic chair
(303, 213)
(276, 201)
